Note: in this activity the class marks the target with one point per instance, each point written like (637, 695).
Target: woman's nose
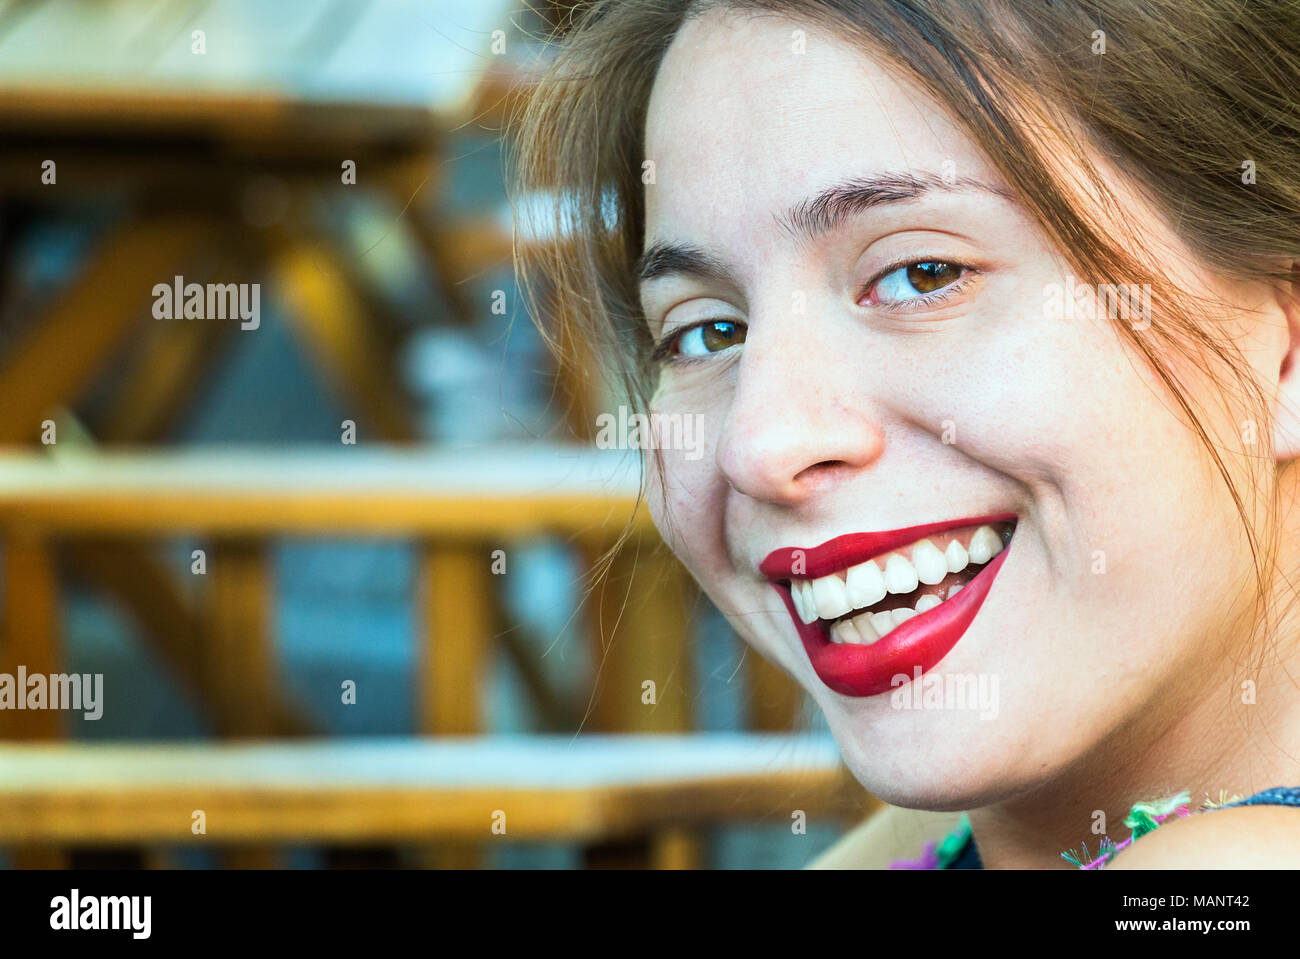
(801, 419)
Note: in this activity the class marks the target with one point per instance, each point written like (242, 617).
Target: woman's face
(876, 338)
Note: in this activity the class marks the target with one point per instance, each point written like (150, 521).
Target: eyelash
(663, 350)
(952, 289)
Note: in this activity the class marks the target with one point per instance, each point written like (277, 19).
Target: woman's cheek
(686, 492)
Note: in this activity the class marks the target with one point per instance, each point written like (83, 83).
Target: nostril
(825, 470)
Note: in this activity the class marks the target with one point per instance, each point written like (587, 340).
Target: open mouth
(873, 607)
(864, 603)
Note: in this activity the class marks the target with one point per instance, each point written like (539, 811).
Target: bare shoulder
(1239, 837)
(888, 834)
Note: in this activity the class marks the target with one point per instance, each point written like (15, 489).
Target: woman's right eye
(711, 336)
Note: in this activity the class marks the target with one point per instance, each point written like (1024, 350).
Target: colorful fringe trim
(1141, 819)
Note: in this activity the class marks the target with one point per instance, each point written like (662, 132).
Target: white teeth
(862, 623)
(830, 597)
(956, 556)
(900, 575)
(984, 545)
(807, 609)
(927, 602)
(845, 632)
(796, 596)
(866, 585)
(931, 565)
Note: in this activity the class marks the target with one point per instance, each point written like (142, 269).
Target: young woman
(991, 311)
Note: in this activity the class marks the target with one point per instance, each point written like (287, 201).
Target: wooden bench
(538, 788)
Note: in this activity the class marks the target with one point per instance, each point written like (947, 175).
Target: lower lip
(921, 642)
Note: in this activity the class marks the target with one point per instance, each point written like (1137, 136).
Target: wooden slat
(331, 318)
(486, 493)
(56, 361)
(239, 658)
(458, 605)
(238, 653)
(640, 622)
(644, 636)
(322, 514)
(163, 380)
(29, 634)
(550, 788)
(458, 592)
(411, 815)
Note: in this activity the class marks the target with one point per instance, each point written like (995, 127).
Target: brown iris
(720, 335)
(932, 275)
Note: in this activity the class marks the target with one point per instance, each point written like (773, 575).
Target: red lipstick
(922, 641)
(845, 551)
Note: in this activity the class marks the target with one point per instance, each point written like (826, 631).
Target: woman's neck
(1233, 733)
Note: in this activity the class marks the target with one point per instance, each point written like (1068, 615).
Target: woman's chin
(961, 766)
(932, 791)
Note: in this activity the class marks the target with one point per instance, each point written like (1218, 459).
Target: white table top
(521, 762)
(425, 53)
(504, 470)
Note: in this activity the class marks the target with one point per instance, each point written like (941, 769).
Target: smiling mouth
(863, 603)
(875, 610)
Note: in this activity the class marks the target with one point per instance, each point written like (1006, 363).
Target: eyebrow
(811, 218)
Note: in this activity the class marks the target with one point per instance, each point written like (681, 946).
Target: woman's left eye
(915, 281)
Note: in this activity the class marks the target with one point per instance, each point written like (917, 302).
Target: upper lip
(854, 548)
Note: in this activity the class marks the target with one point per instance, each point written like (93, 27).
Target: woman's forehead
(746, 112)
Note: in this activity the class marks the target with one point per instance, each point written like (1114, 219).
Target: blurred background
(327, 529)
